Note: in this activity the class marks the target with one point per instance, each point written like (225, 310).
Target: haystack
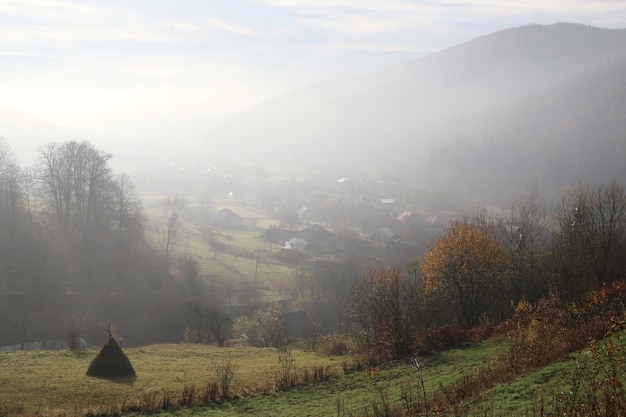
(111, 362)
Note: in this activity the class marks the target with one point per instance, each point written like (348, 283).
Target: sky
(149, 68)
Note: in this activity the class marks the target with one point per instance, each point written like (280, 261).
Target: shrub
(264, 329)
(225, 371)
(596, 387)
(443, 337)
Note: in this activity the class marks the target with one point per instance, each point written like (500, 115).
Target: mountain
(25, 133)
(574, 131)
(394, 118)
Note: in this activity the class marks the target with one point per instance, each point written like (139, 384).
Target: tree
(172, 207)
(128, 207)
(205, 205)
(528, 215)
(216, 245)
(190, 271)
(466, 274)
(27, 184)
(10, 193)
(588, 238)
(75, 181)
(524, 234)
(211, 320)
(219, 321)
(330, 287)
(383, 313)
(608, 222)
(263, 329)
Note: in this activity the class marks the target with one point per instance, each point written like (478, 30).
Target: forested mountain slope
(395, 117)
(575, 131)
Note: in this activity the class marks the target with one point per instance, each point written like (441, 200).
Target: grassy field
(237, 263)
(54, 382)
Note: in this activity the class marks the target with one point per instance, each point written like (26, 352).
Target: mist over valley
(366, 198)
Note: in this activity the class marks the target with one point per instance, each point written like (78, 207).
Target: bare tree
(128, 206)
(527, 231)
(528, 214)
(27, 181)
(75, 181)
(172, 207)
(211, 318)
(608, 221)
(589, 238)
(205, 205)
(190, 271)
(219, 324)
(383, 303)
(9, 191)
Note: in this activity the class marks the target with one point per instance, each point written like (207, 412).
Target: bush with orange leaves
(550, 329)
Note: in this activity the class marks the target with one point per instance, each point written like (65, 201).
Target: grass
(55, 382)
(521, 397)
(238, 263)
(353, 393)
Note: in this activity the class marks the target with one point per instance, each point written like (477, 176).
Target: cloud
(230, 27)
(362, 18)
(158, 57)
(47, 9)
(271, 28)
(355, 17)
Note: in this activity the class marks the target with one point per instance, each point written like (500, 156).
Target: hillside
(568, 133)
(172, 380)
(395, 117)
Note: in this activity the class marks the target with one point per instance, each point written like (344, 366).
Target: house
(226, 219)
(291, 256)
(280, 236)
(404, 215)
(319, 240)
(317, 232)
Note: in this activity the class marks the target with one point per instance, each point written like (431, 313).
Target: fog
(131, 76)
(298, 144)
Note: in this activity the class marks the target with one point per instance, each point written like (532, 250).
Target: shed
(226, 219)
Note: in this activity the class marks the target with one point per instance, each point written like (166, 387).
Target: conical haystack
(111, 362)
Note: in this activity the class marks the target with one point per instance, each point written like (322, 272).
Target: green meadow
(54, 383)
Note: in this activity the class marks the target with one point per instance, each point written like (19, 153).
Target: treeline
(474, 277)
(73, 257)
(482, 269)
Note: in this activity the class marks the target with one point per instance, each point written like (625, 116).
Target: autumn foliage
(466, 277)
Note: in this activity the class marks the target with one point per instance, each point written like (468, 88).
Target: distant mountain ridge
(395, 118)
(525, 106)
(574, 131)
(25, 133)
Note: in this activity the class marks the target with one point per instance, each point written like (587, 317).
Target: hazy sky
(126, 65)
